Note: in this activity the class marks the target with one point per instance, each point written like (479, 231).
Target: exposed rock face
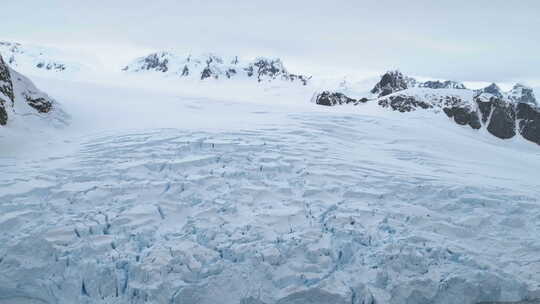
(463, 116)
(41, 104)
(529, 122)
(51, 66)
(327, 98)
(6, 91)
(210, 66)
(507, 114)
(403, 103)
(26, 92)
(501, 115)
(6, 86)
(492, 89)
(156, 61)
(442, 85)
(3, 113)
(393, 81)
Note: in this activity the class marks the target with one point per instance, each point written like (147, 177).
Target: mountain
(503, 114)
(391, 82)
(19, 98)
(38, 59)
(394, 81)
(211, 66)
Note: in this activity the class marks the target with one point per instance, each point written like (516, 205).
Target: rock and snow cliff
(503, 114)
(211, 66)
(21, 100)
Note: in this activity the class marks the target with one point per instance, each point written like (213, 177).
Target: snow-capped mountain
(393, 81)
(21, 100)
(38, 59)
(503, 114)
(211, 66)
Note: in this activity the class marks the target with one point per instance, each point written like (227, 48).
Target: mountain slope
(211, 66)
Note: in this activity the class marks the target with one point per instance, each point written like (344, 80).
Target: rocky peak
(393, 81)
(492, 89)
(155, 61)
(522, 94)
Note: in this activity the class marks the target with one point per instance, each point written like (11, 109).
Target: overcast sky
(488, 40)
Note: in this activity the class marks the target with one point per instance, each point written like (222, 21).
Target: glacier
(222, 192)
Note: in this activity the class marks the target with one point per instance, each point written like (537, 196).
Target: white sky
(481, 40)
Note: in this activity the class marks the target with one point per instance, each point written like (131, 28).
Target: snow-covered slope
(211, 66)
(39, 60)
(216, 193)
(22, 105)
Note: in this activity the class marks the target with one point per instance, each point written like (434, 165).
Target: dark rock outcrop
(499, 111)
(303, 79)
(51, 66)
(41, 104)
(442, 85)
(502, 122)
(392, 81)
(264, 68)
(463, 116)
(156, 61)
(230, 73)
(3, 113)
(506, 116)
(403, 103)
(6, 86)
(206, 73)
(528, 122)
(185, 71)
(327, 98)
(452, 106)
(6, 91)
